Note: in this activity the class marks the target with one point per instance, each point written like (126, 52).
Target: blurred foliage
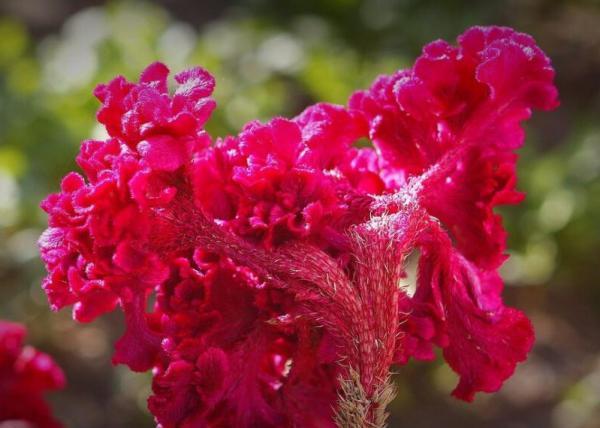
(273, 58)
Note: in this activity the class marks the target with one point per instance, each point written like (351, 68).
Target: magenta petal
(195, 82)
(156, 75)
(138, 347)
(484, 340)
(329, 130)
(174, 397)
(484, 353)
(212, 367)
(162, 153)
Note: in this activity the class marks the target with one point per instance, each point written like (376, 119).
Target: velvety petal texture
(274, 256)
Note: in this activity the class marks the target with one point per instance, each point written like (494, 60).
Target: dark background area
(272, 58)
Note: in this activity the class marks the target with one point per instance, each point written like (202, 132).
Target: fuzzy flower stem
(360, 309)
(356, 409)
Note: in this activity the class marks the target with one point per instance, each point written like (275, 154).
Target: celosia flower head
(25, 375)
(276, 255)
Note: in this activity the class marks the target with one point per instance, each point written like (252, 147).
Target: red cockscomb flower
(25, 375)
(276, 255)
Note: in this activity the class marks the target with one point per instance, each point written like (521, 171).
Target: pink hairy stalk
(276, 256)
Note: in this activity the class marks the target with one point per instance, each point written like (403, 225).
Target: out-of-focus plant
(551, 239)
(25, 375)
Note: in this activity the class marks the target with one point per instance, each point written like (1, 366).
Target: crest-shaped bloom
(25, 375)
(447, 130)
(276, 255)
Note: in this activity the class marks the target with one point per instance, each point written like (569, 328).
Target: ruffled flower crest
(276, 255)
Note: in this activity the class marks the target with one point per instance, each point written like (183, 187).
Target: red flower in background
(276, 255)
(25, 375)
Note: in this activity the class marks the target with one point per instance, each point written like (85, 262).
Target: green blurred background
(273, 58)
